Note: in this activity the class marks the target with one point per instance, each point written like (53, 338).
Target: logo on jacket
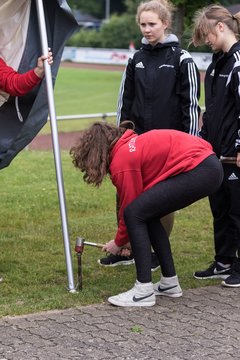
(233, 176)
(132, 145)
(166, 65)
(140, 65)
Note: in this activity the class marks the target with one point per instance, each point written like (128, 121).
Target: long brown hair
(91, 154)
(206, 18)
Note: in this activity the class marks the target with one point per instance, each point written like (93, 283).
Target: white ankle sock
(145, 287)
(169, 280)
(225, 266)
(143, 284)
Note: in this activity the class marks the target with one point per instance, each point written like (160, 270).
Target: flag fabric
(21, 118)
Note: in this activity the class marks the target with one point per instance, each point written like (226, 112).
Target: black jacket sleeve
(235, 86)
(126, 93)
(189, 91)
(203, 130)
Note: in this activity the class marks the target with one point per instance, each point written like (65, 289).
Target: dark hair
(91, 154)
(206, 18)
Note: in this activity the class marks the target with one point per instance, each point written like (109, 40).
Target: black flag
(21, 118)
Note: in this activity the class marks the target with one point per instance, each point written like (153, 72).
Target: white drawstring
(18, 110)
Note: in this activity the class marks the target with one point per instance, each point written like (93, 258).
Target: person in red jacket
(17, 84)
(154, 173)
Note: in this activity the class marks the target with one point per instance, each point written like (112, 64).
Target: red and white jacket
(140, 161)
(14, 83)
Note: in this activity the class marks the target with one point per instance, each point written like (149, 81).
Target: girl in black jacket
(217, 27)
(160, 87)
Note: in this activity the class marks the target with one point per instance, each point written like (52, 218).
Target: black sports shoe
(115, 260)
(234, 279)
(215, 271)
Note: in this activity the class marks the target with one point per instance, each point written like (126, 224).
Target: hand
(126, 252)
(39, 69)
(111, 247)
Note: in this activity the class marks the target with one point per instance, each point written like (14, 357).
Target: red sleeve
(129, 186)
(14, 83)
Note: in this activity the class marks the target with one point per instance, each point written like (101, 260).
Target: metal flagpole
(56, 148)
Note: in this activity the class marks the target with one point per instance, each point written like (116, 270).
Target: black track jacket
(160, 89)
(221, 122)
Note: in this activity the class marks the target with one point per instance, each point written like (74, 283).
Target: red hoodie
(14, 83)
(140, 161)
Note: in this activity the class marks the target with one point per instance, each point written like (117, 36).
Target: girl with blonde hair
(160, 86)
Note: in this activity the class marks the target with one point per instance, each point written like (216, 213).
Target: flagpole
(56, 148)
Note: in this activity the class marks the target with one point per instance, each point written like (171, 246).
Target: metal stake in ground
(80, 242)
(79, 250)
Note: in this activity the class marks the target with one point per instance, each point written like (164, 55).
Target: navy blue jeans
(143, 214)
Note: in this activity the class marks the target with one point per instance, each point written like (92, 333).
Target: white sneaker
(140, 295)
(1, 279)
(168, 286)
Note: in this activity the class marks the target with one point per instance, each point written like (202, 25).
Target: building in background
(87, 21)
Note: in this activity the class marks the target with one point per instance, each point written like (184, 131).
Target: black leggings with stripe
(143, 214)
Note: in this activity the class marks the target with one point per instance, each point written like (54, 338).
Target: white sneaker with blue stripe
(168, 286)
(142, 294)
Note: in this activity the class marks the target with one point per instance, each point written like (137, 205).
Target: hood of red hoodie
(125, 138)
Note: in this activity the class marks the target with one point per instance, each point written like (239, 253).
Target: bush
(117, 33)
(85, 38)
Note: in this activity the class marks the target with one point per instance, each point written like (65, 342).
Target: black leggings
(143, 214)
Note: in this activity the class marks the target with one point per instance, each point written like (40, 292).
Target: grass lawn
(32, 259)
(84, 91)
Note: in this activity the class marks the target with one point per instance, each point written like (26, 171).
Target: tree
(131, 6)
(97, 7)
(184, 11)
(117, 6)
(122, 28)
(183, 16)
(124, 25)
(92, 7)
(85, 38)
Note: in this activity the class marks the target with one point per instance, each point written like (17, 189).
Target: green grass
(32, 259)
(83, 91)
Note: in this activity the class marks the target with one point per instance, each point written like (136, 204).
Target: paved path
(203, 324)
